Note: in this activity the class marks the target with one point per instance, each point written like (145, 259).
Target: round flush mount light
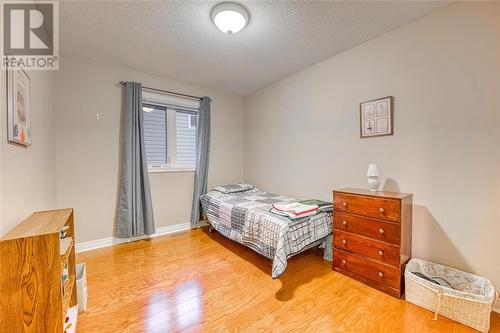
(230, 17)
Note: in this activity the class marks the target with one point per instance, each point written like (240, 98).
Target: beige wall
(27, 175)
(302, 133)
(88, 149)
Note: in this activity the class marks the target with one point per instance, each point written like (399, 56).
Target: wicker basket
(469, 303)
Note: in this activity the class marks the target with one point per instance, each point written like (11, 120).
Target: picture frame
(376, 117)
(18, 107)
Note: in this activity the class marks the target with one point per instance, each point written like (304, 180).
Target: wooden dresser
(33, 260)
(372, 237)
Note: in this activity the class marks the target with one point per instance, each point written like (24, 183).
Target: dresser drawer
(380, 208)
(376, 229)
(388, 254)
(378, 273)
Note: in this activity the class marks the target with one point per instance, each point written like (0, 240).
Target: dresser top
(379, 194)
(40, 223)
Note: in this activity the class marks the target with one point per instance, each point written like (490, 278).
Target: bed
(243, 213)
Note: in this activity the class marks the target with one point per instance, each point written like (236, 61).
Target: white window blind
(186, 138)
(169, 134)
(155, 135)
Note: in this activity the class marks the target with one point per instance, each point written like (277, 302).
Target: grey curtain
(202, 157)
(135, 210)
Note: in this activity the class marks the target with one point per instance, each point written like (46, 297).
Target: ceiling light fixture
(230, 17)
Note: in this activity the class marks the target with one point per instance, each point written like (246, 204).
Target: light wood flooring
(201, 282)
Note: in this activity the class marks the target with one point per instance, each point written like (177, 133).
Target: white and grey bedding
(243, 215)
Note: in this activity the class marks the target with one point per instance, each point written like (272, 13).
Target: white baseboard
(110, 241)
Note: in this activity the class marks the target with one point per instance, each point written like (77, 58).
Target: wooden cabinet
(372, 237)
(33, 259)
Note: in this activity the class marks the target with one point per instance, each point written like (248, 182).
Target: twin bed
(243, 213)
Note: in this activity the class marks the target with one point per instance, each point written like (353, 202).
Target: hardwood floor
(202, 282)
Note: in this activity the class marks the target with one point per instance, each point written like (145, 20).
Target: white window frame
(164, 100)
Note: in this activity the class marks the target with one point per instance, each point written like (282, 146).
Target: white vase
(373, 183)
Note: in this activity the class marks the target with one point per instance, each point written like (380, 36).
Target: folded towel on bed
(295, 208)
(302, 208)
(324, 206)
(292, 215)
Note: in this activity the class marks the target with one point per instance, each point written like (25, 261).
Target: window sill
(172, 169)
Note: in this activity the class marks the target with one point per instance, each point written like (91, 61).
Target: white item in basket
(81, 286)
(469, 303)
(70, 320)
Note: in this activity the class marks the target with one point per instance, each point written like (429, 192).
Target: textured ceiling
(177, 40)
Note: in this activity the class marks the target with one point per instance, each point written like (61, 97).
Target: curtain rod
(121, 83)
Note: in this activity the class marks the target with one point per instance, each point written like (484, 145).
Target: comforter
(245, 217)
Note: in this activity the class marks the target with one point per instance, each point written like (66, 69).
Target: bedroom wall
(88, 148)
(27, 175)
(302, 133)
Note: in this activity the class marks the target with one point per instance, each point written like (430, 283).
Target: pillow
(233, 188)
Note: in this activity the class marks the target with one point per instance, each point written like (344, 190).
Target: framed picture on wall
(18, 107)
(376, 117)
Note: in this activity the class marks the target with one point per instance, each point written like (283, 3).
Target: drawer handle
(381, 210)
(344, 222)
(344, 242)
(344, 204)
(380, 274)
(381, 231)
(380, 252)
(344, 262)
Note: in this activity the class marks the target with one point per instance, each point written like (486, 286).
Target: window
(169, 132)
